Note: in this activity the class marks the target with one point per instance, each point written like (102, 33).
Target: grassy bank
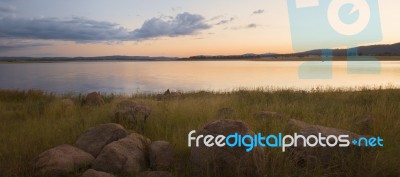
(32, 122)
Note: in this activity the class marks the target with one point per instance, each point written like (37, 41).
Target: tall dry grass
(32, 121)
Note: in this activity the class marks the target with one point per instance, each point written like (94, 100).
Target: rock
(94, 173)
(132, 114)
(225, 161)
(225, 113)
(161, 155)
(94, 99)
(323, 156)
(268, 114)
(155, 174)
(127, 156)
(61, 160)
(96, 138)
(309, 129)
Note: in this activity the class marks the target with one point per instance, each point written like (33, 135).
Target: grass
(33, 121)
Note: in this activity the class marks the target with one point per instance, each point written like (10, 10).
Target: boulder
(94, 173)
(132, 114)
(61, 160)
(127, 156)
(322, 156)
(226, 161)
(94, 99)
(309, 129)
(155, 174)
(161, 155)
(96, 138)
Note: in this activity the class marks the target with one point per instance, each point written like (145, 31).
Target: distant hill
(100, 58)
(373, 50)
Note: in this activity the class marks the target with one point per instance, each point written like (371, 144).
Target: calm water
(131, 77)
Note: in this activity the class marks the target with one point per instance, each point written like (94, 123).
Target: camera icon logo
(328, 24)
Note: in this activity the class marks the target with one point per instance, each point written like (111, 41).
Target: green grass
(32, 122)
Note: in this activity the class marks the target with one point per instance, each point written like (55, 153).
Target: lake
(133, 77)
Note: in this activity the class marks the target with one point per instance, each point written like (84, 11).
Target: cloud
(75, 29)
(222, 22)
(216, 17)
(260, 11)
(7, 45)
(252, 25)
(182, 24)
(6, 10)
(85, 30)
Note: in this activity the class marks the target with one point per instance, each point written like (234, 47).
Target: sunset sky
(44, 28)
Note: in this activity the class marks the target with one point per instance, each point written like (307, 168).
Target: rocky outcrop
(94, 99)
(161, 156)
(127, 156)
(94, 173)
(117, 153)
(226, 161)
(60, 161)
(96, 138)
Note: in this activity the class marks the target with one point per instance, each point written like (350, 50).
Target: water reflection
(128, 77)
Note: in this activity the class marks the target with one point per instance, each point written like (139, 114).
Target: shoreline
(272, 59)
(272, 90)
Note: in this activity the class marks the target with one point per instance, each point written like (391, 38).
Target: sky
(181, 28)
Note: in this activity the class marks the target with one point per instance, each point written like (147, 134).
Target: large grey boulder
(309, 129)
(226, 161)
(94, 99)
(127, 156)
(132, 114)
(155, 174)
(96, 138)
(320, 156)
(61, 160)
(161, 155)
(94, 173)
